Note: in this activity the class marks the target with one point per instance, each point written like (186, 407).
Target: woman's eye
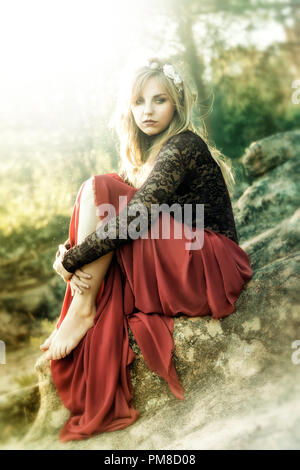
(159, 100)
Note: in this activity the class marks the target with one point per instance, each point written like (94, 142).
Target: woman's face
(153, 104)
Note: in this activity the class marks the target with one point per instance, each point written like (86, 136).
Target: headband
(169, 72)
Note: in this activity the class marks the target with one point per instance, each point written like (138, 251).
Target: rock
(281, 240)
(271, 198)
(240, 375)
(52, 414)
(221, 359)
(262, 156)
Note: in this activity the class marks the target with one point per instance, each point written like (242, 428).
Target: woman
(139, 279)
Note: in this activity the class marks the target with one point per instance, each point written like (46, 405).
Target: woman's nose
(148, 108)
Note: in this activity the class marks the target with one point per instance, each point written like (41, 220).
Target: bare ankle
(85, 307)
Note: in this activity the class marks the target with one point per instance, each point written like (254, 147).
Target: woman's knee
(88, 218)
(87, 195)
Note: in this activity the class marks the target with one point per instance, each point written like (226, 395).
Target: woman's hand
(76, 282)
(76, 279)
(59, 268)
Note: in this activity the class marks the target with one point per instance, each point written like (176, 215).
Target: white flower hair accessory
(169, 72)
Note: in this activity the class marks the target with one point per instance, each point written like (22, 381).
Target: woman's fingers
(76, 283)
(62, 249)
(75, 288)
(80, 283)
(80, 273)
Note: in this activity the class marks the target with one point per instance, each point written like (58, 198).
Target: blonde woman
(146, 263)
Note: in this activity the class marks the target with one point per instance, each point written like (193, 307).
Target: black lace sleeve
(166, 175)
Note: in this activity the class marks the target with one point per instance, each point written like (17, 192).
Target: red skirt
(148, 282)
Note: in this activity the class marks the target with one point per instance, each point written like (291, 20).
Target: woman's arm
(168, 172)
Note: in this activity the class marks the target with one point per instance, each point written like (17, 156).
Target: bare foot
(79, 319)
(46, 344)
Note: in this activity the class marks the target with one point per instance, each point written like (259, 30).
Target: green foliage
(252, 98)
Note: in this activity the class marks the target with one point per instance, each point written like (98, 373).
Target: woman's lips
(150, 123)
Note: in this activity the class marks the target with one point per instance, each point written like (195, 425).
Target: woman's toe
(55, 354)
(63, 352)
(58, 354)
(68, 350)
(48, 355)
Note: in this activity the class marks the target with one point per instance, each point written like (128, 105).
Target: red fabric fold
(148, 283)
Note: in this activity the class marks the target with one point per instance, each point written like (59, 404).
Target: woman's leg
(82, 310)
(85, 301)
(88, 221)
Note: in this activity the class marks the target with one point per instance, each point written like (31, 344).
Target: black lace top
(185, 173)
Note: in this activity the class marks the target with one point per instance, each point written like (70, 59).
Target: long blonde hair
(137, 151)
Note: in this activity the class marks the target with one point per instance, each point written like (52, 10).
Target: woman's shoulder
(195, 148)
(192, 147)
(188, 138)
